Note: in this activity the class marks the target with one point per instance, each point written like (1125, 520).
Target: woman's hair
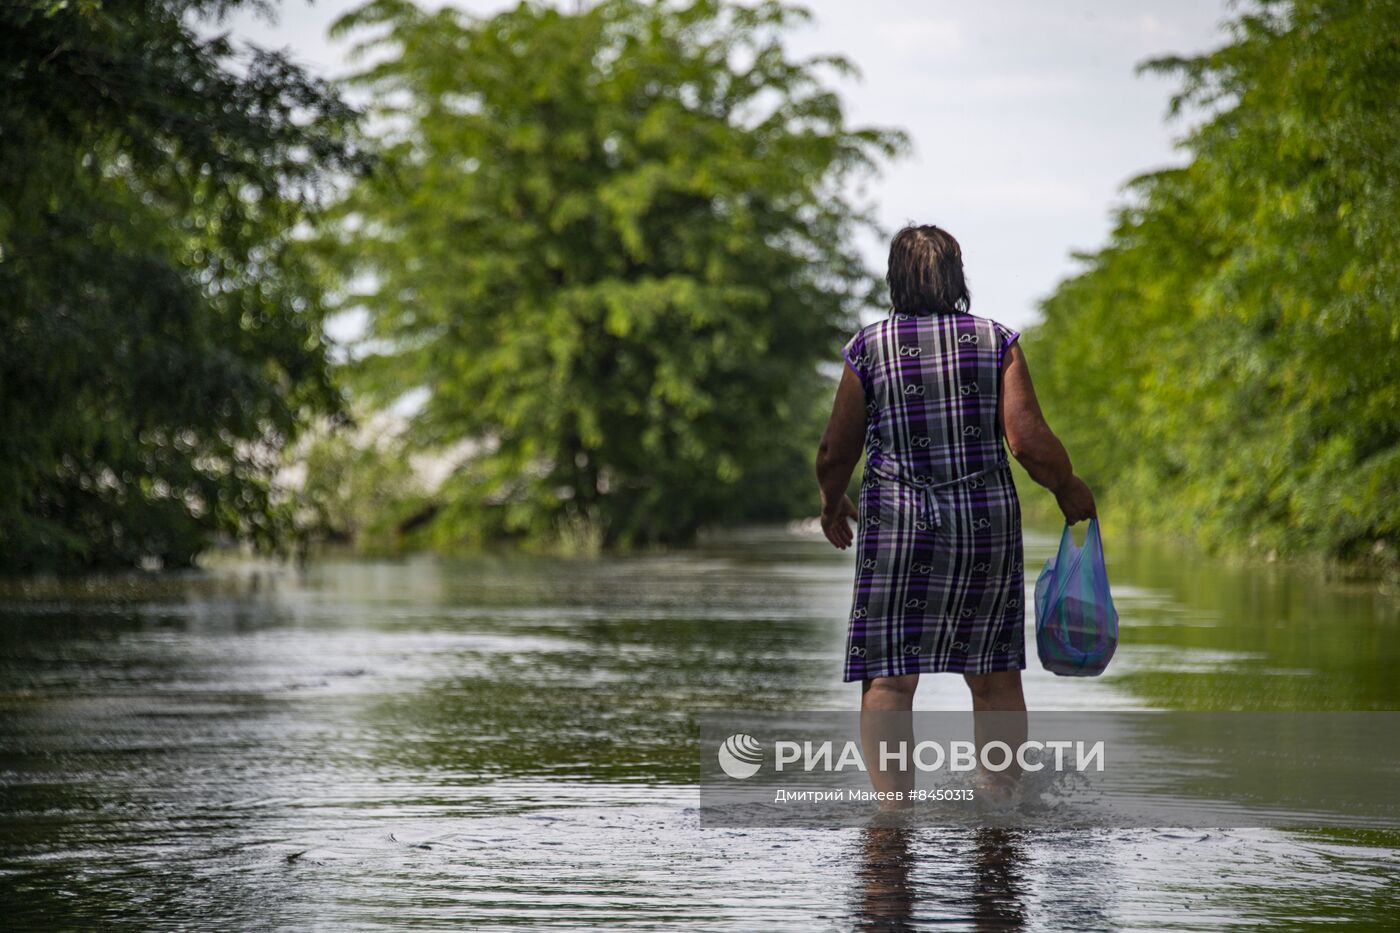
(926, 272)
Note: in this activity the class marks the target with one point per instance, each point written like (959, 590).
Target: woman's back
(931, 386)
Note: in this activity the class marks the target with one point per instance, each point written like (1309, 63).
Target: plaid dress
(939, 582)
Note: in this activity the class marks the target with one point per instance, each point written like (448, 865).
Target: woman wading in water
(929, 393)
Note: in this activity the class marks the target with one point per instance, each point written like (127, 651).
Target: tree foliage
(1229, 365)
(609, 248)
(159, 338)
(358, 489)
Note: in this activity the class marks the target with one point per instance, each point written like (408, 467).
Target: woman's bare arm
(837, 456)
(1034, 445)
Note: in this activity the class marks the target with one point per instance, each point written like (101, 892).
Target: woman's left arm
(838, 455)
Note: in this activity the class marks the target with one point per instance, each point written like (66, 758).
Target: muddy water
(509, 742)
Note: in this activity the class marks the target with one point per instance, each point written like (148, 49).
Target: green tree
(160, 339)
(1229, 365)
(609, 248)
(357, 489)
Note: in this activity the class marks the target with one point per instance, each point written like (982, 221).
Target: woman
(930, 392)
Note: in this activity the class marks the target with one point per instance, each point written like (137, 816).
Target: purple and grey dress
(939, 580)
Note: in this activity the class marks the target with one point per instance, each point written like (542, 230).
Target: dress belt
(930, 500)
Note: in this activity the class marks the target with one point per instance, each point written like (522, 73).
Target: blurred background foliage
(605, 255)
(1228, 366)
(160, 341)
(601, 256)
(357, 488)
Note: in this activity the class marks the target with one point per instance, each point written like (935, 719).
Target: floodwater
(509, 742)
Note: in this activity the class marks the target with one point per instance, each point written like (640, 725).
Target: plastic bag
(1076, 626)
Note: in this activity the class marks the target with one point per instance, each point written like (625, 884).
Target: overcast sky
(1026, 115)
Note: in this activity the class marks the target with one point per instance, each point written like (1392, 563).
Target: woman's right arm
(1034, 445)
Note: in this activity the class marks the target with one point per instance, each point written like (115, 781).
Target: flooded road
(509, 742)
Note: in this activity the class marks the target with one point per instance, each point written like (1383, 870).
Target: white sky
(1026, 116)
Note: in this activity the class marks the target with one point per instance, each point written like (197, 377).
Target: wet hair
(926, 272)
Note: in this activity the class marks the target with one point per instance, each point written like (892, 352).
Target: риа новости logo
(741, 755)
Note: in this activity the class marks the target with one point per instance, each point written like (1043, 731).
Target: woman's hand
(1076, 500)
(834, 524)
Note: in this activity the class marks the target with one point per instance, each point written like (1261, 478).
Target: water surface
(509, 742)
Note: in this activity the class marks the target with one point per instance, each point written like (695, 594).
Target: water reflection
(998, 882)
(509, 743)
(886, 891)
(891, 898)
(1210, 633)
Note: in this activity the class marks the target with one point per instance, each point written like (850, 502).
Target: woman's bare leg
(996, 692)
(886, 705)
(999, 714)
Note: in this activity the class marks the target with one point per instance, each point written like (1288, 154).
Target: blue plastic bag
(1076, 626)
